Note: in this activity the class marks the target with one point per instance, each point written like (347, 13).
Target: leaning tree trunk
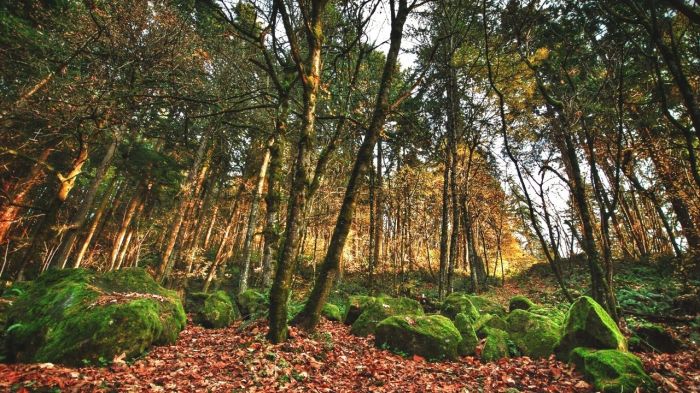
(310, 315)
(253, 218)
(78, 219)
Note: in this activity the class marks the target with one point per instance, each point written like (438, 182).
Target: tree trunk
(310, 315)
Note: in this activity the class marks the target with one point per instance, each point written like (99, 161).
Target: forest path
(238, 359)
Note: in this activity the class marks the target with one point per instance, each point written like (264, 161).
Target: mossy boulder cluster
(378, 309)
(252, 303)
(212, 310)
(433, 336)
(74, 316)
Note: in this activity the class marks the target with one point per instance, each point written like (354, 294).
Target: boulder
(469, 339)
(332, 312)
(534, 335)
(653, 337)
(212, 310)
(610, 370)
(496, 345)
(382, 308)
(74, 315)
(457, 303)
(588, 325)
(486, 306)
(520, 302)
(555, 315)
(252, 303)
(433, 337)
(489, 321)
(356, 305)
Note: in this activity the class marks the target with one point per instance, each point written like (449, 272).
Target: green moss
(380, 309)
(486, 306)
(252, 302)
(66, 316)
(554, 314)
(489, 321)
(212, 310)
(610, 370)
(588, 325)
(457, 303)
(520, 302)
(434, 337)
(331, 312)
(469, 339)
(356, 305)
(534, 335)
(496, 345)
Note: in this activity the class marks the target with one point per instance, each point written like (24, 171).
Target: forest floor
(239, 359)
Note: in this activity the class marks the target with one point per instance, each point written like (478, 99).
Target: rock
(520, 302)
(486, 306)
(489, 321)
(382, 308)
(251, 303)
(457, 303)
(332, 312)
(496, 345)
(555, 315)
(534, 335)
(654, 337)
(212, 310)
(433, 337)
(73, 315)
(588, 325)
(610, 370)
(469, 339)
(356, 305)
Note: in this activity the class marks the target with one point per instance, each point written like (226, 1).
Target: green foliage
(611, 371)
(433, 337)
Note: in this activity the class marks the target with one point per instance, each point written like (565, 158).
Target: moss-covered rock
(457, 303)
(520, 302)
(382, 308)
(496, 345)
(212, 310)
(469, 339)
(434, 337)
(554, 314)
(331, 312)
(588, 325)
(610, 370)
(356, 305)
(489, 321)
(534, 335)
(653, 337)
(486, 306)
(68, 316)
(251, 303)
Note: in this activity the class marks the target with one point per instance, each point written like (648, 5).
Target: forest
(350, 196)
